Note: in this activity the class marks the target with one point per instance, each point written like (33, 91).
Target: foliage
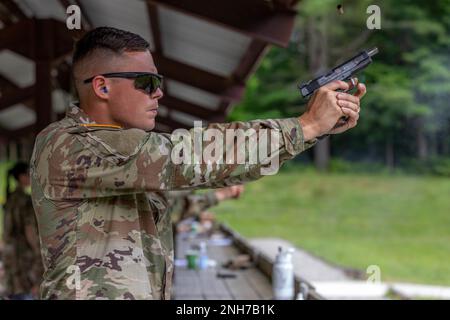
(408, 83)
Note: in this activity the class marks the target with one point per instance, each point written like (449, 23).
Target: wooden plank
(248, 284)
(213, 297)
(260, 283)
(187, 283)
(189, 297)
(222, 253)
(239, 287)
(212, 286)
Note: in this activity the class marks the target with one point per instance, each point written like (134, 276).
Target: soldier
(21, 255)
(185, 204)
(99, 176)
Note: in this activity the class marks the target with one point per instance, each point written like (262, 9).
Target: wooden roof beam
(264, 20)
(20, 38)
(155, 28)
(180, 105)
(16, 96)
(248, 64)
(17, 37)
(17, 133)
(5, 16)
(14, 9)
(201, 79)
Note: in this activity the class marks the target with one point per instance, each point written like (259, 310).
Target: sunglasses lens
(148, 83)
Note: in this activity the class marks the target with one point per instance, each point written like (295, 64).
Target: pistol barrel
(372, 51)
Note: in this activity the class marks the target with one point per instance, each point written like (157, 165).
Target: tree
(405, 112)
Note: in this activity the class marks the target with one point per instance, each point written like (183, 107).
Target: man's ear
(100, 87)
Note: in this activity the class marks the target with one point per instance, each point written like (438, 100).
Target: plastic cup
(192, 257)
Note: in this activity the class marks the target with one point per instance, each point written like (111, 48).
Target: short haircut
(18, 169)
(108, 39)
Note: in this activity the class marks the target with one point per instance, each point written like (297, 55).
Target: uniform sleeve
(104, 163)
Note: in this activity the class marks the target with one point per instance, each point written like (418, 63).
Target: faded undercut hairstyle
(106, 40)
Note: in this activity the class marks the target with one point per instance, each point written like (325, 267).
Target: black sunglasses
(146, 81)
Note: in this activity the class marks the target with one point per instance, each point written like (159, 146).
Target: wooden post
(44, 51)
(12, 151)
(3, 149)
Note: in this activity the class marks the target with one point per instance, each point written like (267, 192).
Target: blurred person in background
(187, 204)
(23, 268)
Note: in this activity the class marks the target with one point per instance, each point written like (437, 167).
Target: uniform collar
(82, 119)
(76, 113)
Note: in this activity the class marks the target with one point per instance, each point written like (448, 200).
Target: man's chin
(150, 126)
(147, 126)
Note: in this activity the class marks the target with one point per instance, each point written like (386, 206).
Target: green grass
(400, 223)
(4, 167)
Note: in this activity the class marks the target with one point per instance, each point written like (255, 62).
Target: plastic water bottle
(203, 257)
(283, 275)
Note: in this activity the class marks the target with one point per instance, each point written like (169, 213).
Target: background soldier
(21, 255)
(186, 204)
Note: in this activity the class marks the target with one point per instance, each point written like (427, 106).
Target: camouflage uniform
(22, 259)
(99, 196)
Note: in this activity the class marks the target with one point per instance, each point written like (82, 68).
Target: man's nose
(158, 94)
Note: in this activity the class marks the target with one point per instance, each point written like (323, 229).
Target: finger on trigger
(352, 83)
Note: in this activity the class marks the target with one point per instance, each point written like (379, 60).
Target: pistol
(342, 72)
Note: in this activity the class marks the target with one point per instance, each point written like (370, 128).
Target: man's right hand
(232, 192)
(327, 106)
